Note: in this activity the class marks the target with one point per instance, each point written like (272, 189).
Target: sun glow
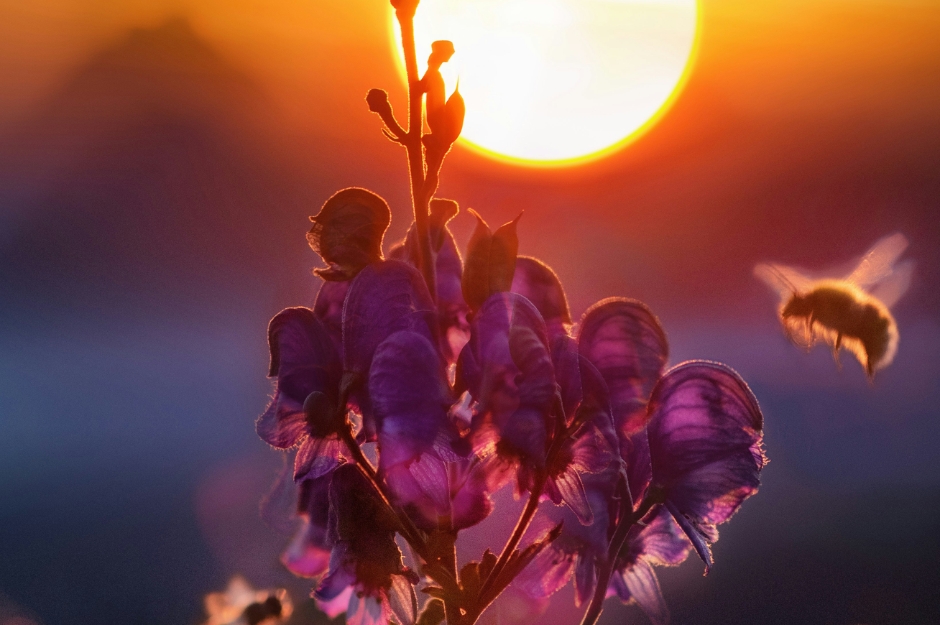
(557, 82)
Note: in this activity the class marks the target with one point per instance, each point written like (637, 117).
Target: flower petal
(536, 281)
(328, 308)
(385, 298)
(348, 231)
(641, 582)
(508, 370)
(572, 493)
(304, 360)
(410, 397)
(585, 578)
(452, 309)
(705, 446)
(547, 573)
(402, 600)
(318, 456)
(624, 340)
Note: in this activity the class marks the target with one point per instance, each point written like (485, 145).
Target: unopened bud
(377, 100)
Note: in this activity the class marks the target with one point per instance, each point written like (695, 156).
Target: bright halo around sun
(557, 82)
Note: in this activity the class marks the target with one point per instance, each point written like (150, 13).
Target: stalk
(627, 520)
(420, 196)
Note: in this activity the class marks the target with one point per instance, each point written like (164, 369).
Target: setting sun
(552, 82)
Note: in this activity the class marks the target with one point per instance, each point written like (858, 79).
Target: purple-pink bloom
(452, 310)
(536, 281)
(507, 368)
(366, 576)
(705, 447)
(626, 343)
(657, 542)
(420, 451)
(308, 554)
(328, 308)
(304, 409)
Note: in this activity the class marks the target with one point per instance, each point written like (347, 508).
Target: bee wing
(891, 288)
(878, 263)
(785, 281)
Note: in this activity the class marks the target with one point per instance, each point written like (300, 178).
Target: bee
(851, 312)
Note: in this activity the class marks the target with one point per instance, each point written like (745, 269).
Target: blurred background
(159, 159)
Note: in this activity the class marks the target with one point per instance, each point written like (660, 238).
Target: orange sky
(790, 55)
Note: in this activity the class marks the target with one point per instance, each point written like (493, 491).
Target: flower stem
(521, 526)
(627, 519)
(420, 193)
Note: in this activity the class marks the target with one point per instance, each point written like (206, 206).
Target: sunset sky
(159, 160)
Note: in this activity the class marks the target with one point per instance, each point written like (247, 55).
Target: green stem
(627, 519)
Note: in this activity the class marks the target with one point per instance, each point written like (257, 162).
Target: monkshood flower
(366, 578)
(304, 409)
(717, 456)
(452, 310)
(419, 384)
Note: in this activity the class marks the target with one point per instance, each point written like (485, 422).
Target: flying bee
(851, 312)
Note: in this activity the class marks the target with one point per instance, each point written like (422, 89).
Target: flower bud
(377, 99)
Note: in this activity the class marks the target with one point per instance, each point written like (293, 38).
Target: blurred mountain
(151, 175)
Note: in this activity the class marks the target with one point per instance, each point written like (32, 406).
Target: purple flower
(536, 281)
(420, 451)
(348, 231)
(308, 554)
(366, 576)
(507, 368)
(304, 409)
(658, 542)
(626, 343)
(452, 310)
(705, 446)
(328, 308)
(385, 298)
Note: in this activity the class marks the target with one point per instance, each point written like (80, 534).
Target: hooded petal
(308, 555)
(624, 340)
(385, 298)
(705, 446)
(348, 231)
(304, 361)
(328, 308)
(508, 370)
(452, 309)
(410, 397)
(536, 281)
(437, 493)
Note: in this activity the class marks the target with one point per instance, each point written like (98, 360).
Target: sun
(559, 82)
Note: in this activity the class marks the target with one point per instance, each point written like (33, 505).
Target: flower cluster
(484, 383)
(420, 384)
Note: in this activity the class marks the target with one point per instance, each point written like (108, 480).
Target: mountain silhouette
(148, 175)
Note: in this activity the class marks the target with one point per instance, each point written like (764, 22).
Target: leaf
(491, 261)
(433, 613)
(470, 579)
(348, 231)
